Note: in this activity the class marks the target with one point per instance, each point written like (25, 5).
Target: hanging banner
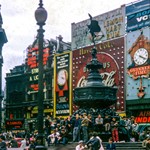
(111, 54)
(111, 24)
(62, 84)
(138, 15)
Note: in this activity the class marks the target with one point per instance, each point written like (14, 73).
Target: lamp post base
(40, 141)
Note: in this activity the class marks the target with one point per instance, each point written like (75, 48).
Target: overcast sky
(20, 25)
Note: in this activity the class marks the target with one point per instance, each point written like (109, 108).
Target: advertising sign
(14, 124)
(62, 84)
(142, 116)
(138, 64)
(32, 66)
(111, 24)
(138, 15)
(111, 54)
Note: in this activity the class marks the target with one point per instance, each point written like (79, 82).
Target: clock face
(62, 77)
(140, 56)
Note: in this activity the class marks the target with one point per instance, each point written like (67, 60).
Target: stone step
(119, 146)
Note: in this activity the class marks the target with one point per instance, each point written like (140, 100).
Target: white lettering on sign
(62, 111)
(33, 78)
(143, 18)
(108, 79)
(35, 70)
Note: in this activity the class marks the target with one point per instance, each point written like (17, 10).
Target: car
(144, 127)
(19, 141)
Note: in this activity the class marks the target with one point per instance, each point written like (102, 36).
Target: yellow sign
(35, 111)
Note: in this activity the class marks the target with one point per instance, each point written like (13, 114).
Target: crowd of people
(84, 128)
(81, 127)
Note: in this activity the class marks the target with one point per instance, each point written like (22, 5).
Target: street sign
(30, 92)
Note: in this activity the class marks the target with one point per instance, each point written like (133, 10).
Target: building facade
(22, 87)
(123, 46)
(15, 98)
(138, 60)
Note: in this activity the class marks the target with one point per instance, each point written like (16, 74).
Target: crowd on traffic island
(84, 129)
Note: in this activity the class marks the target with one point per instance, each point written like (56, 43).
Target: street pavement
(69, 146)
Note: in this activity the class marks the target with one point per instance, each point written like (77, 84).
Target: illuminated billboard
(62, 84)
(112, 26)
(138, 15)
(138, 64)
(111, 54)
(32, 65)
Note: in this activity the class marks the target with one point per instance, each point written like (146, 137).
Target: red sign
(139, 71)
(32, 63)
(14, 124)
(143, 117)
(111, 55)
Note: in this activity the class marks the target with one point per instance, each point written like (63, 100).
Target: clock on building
(140, 56)
(62, 77)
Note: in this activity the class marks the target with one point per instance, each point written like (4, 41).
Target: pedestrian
(84, 125)
(76, 123)
(23, 144)
(80, 145)
(110, 145)
(94, 142)
(2, 143)
(114, 130)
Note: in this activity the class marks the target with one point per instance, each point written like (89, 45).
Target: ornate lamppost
(40, 16)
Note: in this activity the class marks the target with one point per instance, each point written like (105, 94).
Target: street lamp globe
(40, 14)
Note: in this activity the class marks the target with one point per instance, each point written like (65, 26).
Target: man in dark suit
(110, 145)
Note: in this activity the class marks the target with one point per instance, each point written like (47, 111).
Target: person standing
(114, 129)
(76, 123)
(84, 125)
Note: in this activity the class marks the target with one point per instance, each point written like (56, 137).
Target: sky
(20, 25)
